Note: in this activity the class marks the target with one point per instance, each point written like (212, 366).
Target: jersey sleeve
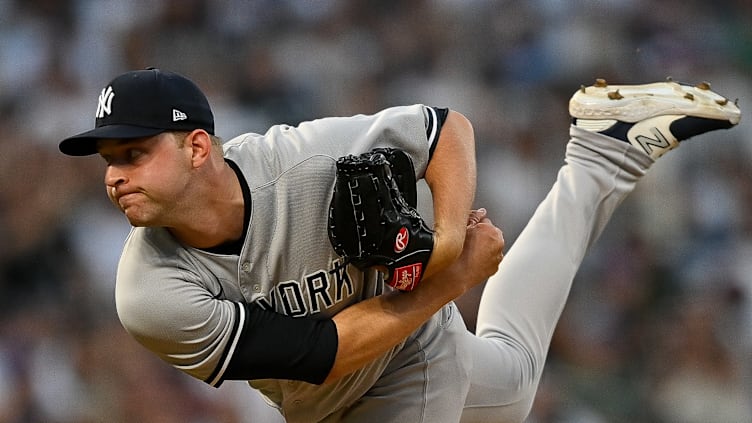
(176, 315)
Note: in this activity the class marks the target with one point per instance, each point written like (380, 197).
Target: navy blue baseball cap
(143, 103)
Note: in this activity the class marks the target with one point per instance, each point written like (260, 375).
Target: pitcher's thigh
(502, 384)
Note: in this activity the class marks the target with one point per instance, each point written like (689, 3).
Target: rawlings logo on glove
(372, 216)
(402, 239)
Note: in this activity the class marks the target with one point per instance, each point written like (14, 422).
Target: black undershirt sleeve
(442, 113)
(431, 125)
(275, 346)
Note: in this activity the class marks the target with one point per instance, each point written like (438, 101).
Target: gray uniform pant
(523, 301)
(493, 377)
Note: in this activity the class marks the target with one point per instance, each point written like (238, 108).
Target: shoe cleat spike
(600, 83)
(615, 95)
(689, 96)
(703, 86)
(722, 102)
(669, 79)
(582, 89)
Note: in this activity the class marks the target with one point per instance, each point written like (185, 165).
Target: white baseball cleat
(653, 117)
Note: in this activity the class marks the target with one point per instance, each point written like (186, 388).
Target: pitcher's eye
(133, 154)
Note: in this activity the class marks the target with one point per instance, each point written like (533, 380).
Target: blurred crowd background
(659, 323)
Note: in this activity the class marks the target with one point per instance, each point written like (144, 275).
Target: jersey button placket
(245, 268)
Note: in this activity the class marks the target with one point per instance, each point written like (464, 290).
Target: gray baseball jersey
(181, 302)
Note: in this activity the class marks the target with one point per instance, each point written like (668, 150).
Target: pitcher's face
(146, 178)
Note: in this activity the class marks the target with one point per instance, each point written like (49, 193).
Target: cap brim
(85, 144)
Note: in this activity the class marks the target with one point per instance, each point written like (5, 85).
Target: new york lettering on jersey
(312, 294)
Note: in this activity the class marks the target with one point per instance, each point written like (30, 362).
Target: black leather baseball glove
(372, 216)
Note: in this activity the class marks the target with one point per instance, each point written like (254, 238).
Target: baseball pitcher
(295, 259)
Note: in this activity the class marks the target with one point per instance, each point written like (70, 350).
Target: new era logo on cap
(178, 115)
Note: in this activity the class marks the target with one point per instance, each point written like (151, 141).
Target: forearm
(451, 177)
(370, 328)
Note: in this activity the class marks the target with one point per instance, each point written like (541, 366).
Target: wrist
(447, 248)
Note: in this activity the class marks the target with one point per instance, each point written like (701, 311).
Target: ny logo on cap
(105, 102)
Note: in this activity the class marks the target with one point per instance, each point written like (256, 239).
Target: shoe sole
(633, 103)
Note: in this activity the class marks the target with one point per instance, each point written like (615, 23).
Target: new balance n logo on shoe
(649, 144)
(104, 106)
(178, 115)
(654, 135)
